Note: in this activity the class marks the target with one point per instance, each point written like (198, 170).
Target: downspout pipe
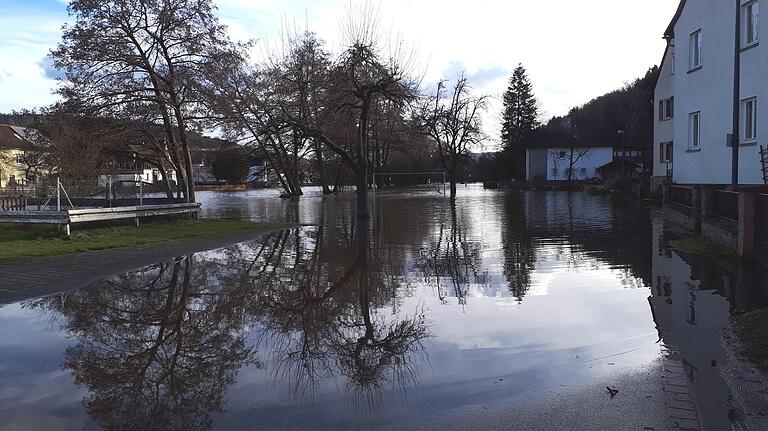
(736, 99)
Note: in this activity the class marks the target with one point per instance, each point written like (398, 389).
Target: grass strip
(23, 242)
(703, 247)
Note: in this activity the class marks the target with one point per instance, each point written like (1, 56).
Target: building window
(20, 159)
(584, 172)
(751, 23)
(694, 131)
(749, 124)
(665, 152)
(666, 109)
(694, 61)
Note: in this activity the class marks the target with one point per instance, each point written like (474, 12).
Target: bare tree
(452, 119)
(128, 55)
(571, 156)
(363, 75)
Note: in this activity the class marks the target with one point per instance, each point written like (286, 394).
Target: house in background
(700, 119)
(557, 163)
(556, 153)
(19, 151)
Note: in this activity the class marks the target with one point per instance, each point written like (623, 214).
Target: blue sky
(574, 50)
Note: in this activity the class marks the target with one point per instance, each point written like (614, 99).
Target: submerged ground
(508, 311)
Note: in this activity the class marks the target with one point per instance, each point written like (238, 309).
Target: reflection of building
(692, 301)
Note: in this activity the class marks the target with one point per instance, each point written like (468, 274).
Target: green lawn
(21, 242)
(703, 247)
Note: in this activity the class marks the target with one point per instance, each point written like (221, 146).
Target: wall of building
(536, 166)
(754, 83)
(9, 168)
(558, 161)
(710, 91)
(663, 130)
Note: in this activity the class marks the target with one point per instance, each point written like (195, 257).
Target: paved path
(49, 275)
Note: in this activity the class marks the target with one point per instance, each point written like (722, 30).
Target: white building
(558, 164)
(701, 67)
(663, 128)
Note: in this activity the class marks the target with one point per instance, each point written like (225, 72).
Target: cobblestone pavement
(46, 276)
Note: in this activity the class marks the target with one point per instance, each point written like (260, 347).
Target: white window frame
(751, 20)
(694, 50)
(694, 131)
(749, 123)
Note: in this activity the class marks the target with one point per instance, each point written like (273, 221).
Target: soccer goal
(410, 182)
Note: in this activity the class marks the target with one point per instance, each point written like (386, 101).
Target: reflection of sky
(34, 392)
(577, 324)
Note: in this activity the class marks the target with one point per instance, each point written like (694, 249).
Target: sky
(574, 50)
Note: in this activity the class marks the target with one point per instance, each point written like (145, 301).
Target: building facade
(562, 164)
(664, 112)
(702, 87)
(18, 156)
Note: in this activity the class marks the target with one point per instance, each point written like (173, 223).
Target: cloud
(49, 70)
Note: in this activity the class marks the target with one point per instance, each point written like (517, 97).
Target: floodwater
(508, 310)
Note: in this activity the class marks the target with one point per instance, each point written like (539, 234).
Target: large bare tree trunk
(190, 178)
(362, 163)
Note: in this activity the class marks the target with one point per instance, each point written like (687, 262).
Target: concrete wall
(584, 169)
(663, 131)
(710, 91)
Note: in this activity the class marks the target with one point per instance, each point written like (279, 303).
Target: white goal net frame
(388, 175)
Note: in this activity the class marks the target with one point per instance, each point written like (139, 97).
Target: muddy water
(505, 311)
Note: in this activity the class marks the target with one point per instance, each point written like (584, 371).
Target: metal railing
(60, 195)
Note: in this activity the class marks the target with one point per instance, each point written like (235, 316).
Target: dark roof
(670, 32)
(16, 138)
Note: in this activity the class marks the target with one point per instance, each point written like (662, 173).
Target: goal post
(414, 181)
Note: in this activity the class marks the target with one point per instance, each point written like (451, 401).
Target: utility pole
(736, 98)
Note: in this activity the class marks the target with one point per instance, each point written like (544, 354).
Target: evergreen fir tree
(519, 119)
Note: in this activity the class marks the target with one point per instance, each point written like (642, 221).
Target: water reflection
(155, 348)
(693, 299)
(433, 309)
(317, 314)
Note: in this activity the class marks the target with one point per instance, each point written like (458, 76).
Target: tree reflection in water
(450, 261)
(154, 348)
(319, 311)
(158, 348)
